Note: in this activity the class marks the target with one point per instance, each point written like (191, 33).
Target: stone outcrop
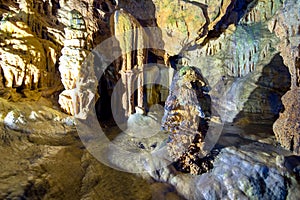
(132, 41)
(184, 119)
(27, 59)
(246, 47)
(76, 69)
(253, 171)
(95, 13)
(178, 25)
(241, 61)
(287, 127)
(32, 36)
(228, 40)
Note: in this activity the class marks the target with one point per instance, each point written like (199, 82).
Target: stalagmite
(184, 119)
(132, 42)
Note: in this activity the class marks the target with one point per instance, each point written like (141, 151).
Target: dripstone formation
(76, 72)
(184, 119)
(27, 59)
(132, 41)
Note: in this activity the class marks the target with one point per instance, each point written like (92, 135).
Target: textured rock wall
(239, 59)
(27, 54)
(184, 119)
(32, 36)
(228, 40)
(77, 69)
(287, 127)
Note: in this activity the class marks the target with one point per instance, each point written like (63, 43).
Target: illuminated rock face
(132, 41)
(184, 119)
(27, 62)
(76, 75)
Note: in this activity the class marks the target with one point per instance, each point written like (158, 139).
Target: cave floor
(45, 159)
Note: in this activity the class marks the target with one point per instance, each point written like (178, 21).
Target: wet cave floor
(42, 167)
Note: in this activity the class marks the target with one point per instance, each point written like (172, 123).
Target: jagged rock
(181, 28)
(76, 72)
(286, 128)
(289, 35)
(26, 61)
(29, 50)
(178, 26)
(248, 172)
(261, 11)
(242, 66)
(183, 117)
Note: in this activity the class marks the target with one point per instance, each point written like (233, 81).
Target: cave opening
(103, 105)
(256, 118)
(153, 94)
(104, 7)
(264, 103)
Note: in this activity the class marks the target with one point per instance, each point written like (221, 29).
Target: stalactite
(132, 41)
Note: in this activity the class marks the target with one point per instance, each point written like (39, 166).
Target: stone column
(132, 40)
(77, 76)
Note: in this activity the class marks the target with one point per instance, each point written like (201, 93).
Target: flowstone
(185, 120)
(77, 74)
(132, 40)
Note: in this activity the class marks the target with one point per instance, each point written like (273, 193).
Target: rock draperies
(27, 61)
(132, 41)
(77, 73)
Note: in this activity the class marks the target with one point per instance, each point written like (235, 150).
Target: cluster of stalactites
(132, 42)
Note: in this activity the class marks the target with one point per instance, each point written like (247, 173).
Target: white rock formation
(76, 73)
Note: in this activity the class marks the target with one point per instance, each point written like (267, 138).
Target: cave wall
(242, 48)
(287, 127)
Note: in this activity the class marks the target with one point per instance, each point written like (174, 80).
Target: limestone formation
(27, 62)
(158, 79)
(241, 62)
(228, 40)
(184, 119)
(151, 76)
(287, 127)
(132, 41)
(261, 11)
(76, 69)
(178, 25)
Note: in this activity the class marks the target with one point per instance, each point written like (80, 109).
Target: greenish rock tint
(243, 65)
(262, 11)
(184, 120)
(76, 20)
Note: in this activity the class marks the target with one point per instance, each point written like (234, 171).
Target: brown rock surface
(183, 119)
(77, 74)
(27, 61)
(286, 128)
